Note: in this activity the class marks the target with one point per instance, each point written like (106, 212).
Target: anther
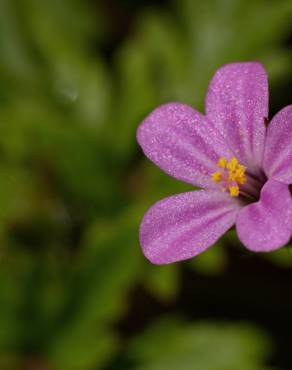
(231, 175)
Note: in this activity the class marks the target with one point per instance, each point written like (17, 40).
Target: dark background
(76, 79)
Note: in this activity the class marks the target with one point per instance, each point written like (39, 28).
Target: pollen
(232, 164)
(230, 176)
(217, 176)
(234, 191)
(222, 162)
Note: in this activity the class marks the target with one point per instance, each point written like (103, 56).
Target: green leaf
(211, 262)
(173, 344)
(163, 281)
(109, 265)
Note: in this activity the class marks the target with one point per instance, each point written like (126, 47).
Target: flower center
(230, 176)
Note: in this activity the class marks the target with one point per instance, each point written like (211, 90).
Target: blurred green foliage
(73, 187)
(172, 344)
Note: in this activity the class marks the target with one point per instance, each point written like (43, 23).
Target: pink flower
(242, 163)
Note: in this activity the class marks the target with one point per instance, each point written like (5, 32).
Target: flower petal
(237, 104)
(182, 143)
(184, 225)
(278, 149)
(267, 224)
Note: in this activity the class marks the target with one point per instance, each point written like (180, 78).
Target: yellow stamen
(234, 191)
(222, 162)
(232, 164)
(232, 175)
(216, 176)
